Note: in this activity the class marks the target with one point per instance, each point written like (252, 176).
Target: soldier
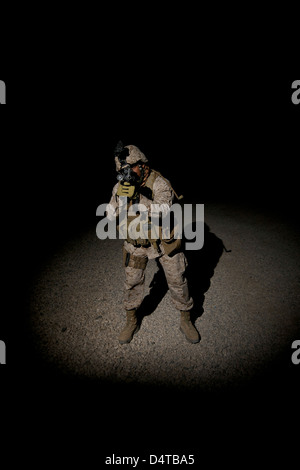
(140, 184)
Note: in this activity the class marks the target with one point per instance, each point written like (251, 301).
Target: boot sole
(190, 340)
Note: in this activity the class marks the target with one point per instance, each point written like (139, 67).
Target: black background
(218, 121)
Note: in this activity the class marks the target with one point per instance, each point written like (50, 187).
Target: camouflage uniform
(174, 266)
(171, 258)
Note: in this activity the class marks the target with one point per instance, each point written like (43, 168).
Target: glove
(127, 190)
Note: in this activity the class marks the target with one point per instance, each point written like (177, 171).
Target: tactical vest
(171, 245)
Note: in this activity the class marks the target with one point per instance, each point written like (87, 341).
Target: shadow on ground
(200, 270)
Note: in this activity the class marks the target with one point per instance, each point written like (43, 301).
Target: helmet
(135, 155)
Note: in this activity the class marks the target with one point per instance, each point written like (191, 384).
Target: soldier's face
(137, 170)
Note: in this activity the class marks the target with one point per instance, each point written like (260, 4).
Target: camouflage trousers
(174, 268)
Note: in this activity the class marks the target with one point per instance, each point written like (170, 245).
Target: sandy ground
(246, 307)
